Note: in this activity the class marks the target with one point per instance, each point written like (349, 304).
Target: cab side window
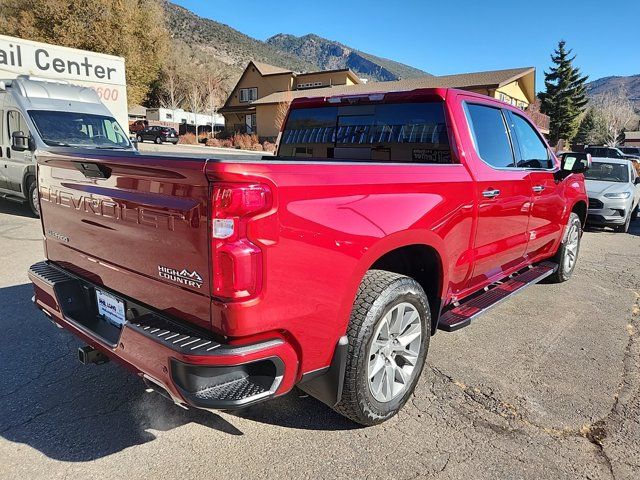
(16, 123)
(490, 135)
(2, 142)
(533, 151)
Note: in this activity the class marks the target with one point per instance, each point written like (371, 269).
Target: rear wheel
(139, 138)
(567, 254)
(158, 140)
(389, 334)
(32, 198)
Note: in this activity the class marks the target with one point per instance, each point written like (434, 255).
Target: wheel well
(25, 182)
(580, 208)
(423, 264)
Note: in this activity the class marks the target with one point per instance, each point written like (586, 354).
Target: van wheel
(567, 254)
(389, 334)
(33, 199)
(158, 140)
(624, 228)
(634, 214)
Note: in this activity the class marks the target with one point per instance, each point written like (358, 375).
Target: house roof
(137, 111)
(632, 135)
(354, 77)
(266, 69)
(488, 79)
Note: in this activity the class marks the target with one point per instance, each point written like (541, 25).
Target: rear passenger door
(503, 194)
(547, 202)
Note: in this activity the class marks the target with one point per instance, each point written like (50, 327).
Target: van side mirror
(574, 162)
(637, 181)
(19, 141)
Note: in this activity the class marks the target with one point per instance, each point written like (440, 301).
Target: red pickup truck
(382, 218)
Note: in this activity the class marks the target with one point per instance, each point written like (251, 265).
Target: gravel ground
(546, 385)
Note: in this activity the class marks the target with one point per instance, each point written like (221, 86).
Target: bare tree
(173, 94)
(195, 96)
(214, 92)
(283, 108)
(615, 112)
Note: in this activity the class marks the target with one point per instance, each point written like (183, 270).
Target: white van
(47, 115)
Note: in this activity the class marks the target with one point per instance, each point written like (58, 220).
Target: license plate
(110, 308)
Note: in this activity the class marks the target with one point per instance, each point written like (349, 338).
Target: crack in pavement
(596, 432)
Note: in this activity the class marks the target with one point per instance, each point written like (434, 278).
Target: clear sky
(448, 37)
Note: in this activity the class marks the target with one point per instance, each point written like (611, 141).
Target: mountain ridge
(230, 50)
(631, 83)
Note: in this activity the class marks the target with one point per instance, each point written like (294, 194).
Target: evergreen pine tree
(587, 129)
(565, 96)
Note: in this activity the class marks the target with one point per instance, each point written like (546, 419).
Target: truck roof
(372, 96)
(42, 94)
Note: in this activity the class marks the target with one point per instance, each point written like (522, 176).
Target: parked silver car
(613, 187)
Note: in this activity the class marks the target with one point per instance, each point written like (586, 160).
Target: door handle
(538, 188)
(490, 193)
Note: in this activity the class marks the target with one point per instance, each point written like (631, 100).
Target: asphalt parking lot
(544, 386)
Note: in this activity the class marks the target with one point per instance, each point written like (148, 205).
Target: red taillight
(237, 262)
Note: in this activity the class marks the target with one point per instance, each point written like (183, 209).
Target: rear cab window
(386, 132)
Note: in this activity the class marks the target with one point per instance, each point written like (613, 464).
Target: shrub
(187, 139)
(268, 146)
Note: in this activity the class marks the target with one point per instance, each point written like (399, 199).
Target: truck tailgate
(133, 224)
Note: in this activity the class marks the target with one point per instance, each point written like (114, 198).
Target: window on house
(248, 94)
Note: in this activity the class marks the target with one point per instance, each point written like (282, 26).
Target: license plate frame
(110, 308)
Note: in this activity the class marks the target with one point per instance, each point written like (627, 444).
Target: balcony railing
(540, 119)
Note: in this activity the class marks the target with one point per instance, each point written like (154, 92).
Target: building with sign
(104, 73)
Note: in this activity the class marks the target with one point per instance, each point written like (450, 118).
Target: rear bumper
(188, 365)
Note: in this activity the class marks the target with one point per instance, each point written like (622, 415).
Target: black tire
(139, 138)
(379, 292)
(563, 273)
(634, 214)
(32, 199)
(158, 140)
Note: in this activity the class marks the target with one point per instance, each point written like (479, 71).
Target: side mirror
(574, 162)
(637, 181)
(19, 141)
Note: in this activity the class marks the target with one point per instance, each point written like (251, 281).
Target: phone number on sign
(107, 94)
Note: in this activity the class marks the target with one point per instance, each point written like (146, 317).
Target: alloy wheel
(34, 201)
(573, 242)
(394, 352)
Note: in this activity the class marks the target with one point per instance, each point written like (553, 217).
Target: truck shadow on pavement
(72, 412)
(634, 228)
(15, 208)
